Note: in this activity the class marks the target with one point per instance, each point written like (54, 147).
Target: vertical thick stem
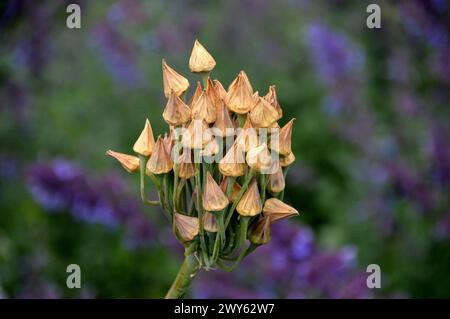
(185, 275)
(201, 232)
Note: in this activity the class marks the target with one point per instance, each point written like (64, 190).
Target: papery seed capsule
(168, 143)
(239, 98)
(224, 124)
(233, 163)
(210, 222)
(214, 199)
(145, 142)
(213, 95)
(176, 112)
(271, 97)
(160, 162)
(259, 233)
(276, 181)
(284, 139)
(263, 114)
(275, 209)
(250, 203)
(186, 168)
(173, 81)
(246, 80)
(129, 163)
(187, 226)
(196, 95)
(201, 60)
(220, 90)
(247, 137)
(259, 158)
(204, 109)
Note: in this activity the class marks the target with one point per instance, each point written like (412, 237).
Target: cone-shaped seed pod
(255, 98)
(246, 80)
(187, 226)
(214, 199)
(263, 114)
(287, 160)
(173, 81)
(160, 162)
(224, 124)
(129, 163)
(213, 95)
(145, 142)
(201, 60)
(239, 98)
(196, 95)
(250, 203)
(276, 181)
(233, 163)
(259, 233)
(168, 143)
(271, 97)
(197, 135)
(247, 137)
(284, 139)
(176, 111)
(210, 149)
(210, 223)
(186, 168)
(220, 90)
(275, 209)
(259, 158)
(234, 191)
(204, 109)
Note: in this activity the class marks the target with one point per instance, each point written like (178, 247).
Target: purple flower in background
(63, 186)
(118, 55)
(338, 62)
(290, 266)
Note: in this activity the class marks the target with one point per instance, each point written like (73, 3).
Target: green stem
(263, 183)
(242, 118)
(215, 253)
(221, 222)
(242, 237)
(205, 76)
(185, 275)
(237, 262)
(198, 188)
(285, 170)
(175, 186)
(168, 192)
(142, 163)
(238, 197)
(177, 195)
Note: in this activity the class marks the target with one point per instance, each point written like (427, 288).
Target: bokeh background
(372, 176)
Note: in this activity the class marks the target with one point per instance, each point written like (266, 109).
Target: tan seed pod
(129, 163)
(173, 81)
(201, 60)
(145, 142)
(250, 203)
(275, 209)
(187, 226)
(214, 199)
